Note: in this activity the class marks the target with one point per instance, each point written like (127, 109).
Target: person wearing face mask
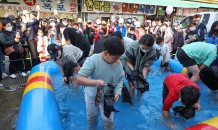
(131, 34)
(179, 87)
(42, 43)
(200, 25)
(137, 30)
(31, 32)
(98, 21)
(116, 21)
(165, 32)
(121, 28)
(178, 37)
(212, 36)
(89, 33)
(54, 31)
(24, 41)
(11, 38)
(152, 27)
(104, 27)
(158, 24)
(13, 22)
(63, 54)
(134, 19)
(165, 52)
(128, 25)
(147, 28)
(139, 56)
(194, 35)
(44, 27)
(65, 22)
(80, 22)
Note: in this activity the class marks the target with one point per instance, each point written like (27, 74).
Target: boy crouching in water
(102, 71)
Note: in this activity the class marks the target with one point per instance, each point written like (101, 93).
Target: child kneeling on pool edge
(102, 71)
(165, 52)
(179, 87)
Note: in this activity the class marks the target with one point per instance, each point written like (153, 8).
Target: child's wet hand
(116, 97)
(64, 80)
(171, 125)
(100, 83)
(198, 106)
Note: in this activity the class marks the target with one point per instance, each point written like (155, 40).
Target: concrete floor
(9, 107)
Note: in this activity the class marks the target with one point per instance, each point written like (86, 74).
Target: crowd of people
(120, 49)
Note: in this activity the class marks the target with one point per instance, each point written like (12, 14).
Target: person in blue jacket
(194, 35)
(212, 36)
(201, 26)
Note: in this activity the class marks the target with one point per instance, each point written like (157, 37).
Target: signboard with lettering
(68, 6)
(114, 7)
(161, 12)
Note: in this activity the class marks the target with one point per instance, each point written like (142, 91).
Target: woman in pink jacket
(166, 34)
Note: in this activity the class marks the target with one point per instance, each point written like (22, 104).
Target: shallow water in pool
(146, 113)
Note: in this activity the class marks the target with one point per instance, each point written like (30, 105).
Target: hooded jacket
(133, 55)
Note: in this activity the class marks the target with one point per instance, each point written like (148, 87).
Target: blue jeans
(2, 58)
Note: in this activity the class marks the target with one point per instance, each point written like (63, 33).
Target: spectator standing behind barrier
(137, 31)
(200, 25)
(194, 35)
(178, 37)
(212, 36)
(32, 28)
(13, 22)
(89, 33)
(131, 34)
(11, 38)
(54, 31)
(121, 28)
(23, 41)
(165, 32)
(158, 24)
(44, 26)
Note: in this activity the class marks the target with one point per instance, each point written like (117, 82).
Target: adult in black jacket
(75, 37)
(178, 37)
(11, 38)
(89, 33)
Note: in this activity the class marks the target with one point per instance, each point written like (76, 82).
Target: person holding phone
(32, 28)
(10, 38)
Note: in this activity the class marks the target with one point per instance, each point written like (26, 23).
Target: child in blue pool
(165, 52)
(102, 71)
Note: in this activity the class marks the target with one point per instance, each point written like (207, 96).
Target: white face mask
(14, 21)
(65, 24)
(52, 24)
(144, 50)
(136, 29)
(120, 25)
(175, 28)
(161, 45)
(9, 29)
(132, 32)
(193, 28)
(24, 21)
(98, 22)
(146, 28)
(166, 22)
(196, 22)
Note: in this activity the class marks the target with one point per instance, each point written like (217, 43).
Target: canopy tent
(176, 3)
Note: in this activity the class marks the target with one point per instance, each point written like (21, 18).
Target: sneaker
(23, 74)
(21, 86)
(3, 77)
(9, 89)
(13, 76)
(4, 74)
(1, 85)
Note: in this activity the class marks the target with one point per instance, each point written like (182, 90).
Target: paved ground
(9, 107)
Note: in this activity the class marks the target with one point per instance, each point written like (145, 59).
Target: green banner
(161, 12)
